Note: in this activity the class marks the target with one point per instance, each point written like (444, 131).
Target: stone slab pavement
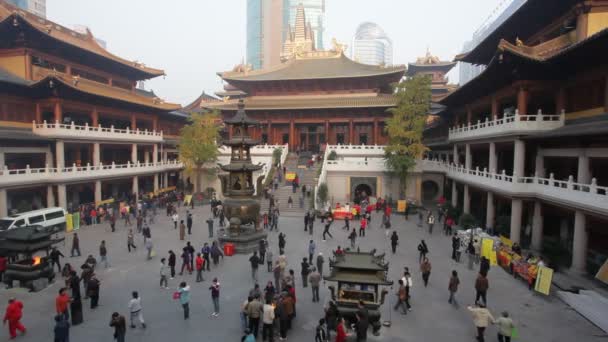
(539, 318)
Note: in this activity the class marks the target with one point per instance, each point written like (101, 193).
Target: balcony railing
(73, 131)
(79, 173)
(589, 197)
(514, 124)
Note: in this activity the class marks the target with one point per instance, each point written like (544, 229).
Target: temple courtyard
(538, 317)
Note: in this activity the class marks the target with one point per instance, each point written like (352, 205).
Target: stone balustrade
(507, 125)
(95, 133)
(79, 173)
(357, 150)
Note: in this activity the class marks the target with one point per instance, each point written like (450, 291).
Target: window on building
(90, 76)
(285, 138)
(340, 138)
(44, 63)
(264, 138)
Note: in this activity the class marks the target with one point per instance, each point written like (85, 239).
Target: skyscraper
(315, 15)
(38, 7)
(372, 46)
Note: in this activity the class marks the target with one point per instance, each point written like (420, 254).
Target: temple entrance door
(310, 139)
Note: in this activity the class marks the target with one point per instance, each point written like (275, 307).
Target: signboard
(187, 199)
(76, 220)
(488, 251)
(290, 176)
(602, 273)
(401, 206)
(69, 225)
(505, 241)
(543, 280)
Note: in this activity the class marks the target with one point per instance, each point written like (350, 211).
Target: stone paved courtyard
(539, 318)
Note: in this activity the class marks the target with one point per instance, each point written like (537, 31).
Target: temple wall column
(58, 112)
(351, 132)
(468, 158)
(537, 227)
(50, 196)
(62, 196)
(3, 203)
(59, 154)
(98, 197)
(516, 212)
(583, 174)
(155, 153)
(539, 164)
(490, 210)
(579, 243)
(454, 194)
(493, 162)
(135, 187)
(134, 153)
(522, 101)
(519, 158)
(96, 154)
(292, 135)
(455, 155)
(466, 202)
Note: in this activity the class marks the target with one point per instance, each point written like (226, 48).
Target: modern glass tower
(372, 46)
(315, 15)
(38, 7)
(254, 33)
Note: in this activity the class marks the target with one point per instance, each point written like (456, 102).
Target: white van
(49, 218)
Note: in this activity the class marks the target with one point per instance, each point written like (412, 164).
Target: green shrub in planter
(467, 221)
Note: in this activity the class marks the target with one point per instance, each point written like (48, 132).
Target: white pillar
(155, 153)
(155, 182)
(493, 168)
(468, 158)
(519, 158)
(3, 203)
(166, 179)
(60, 154)
(455, 154)
(2, 161)
(491, 210)
(134, 153)
(466, 205)
(50, 196)
(583, 175)
(579, 243)
(48, 159)
(98, 197)
(62, 196)
(516, 209)
(537, 227)
(135, 187)
(96, 154)
(454, 194)
(539, 165)
(146, 156)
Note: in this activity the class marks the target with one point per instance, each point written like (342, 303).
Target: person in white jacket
(136, 310)
(268, 321)
(482, 318)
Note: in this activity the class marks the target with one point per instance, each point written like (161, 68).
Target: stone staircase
(307, 177)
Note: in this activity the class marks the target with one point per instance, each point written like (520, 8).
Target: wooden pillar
(522, 101)
(326, 132)
(269, 133)
(155, 123)
(375, 131)
(560, 99)
(351, 132)
(38, 113)
(469, 115)
(229, 132)
(133, 122)
(28, 66)
(606, 94)
(58, 112)
(292, 135)
(94, 118)
(494, 108)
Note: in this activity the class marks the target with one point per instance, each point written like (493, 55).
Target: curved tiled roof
(65, 35)
(313, 68)
(309, 102)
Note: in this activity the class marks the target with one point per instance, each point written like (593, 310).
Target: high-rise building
(372, 46)
(38, 7)
(315, 15)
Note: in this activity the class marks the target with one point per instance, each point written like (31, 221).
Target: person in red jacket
(341, 330)
(363, 226)
(199, 267)
(61, 304)
(13, 316)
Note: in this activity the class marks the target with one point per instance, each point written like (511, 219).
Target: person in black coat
(76, 303)
(62, 329)
(93, 290)
(172, 260)
(484, 266)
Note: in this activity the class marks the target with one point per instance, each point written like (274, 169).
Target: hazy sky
(193, 39)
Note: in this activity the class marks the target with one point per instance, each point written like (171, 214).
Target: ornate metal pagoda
(241, 207)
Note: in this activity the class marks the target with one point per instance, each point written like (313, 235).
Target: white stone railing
(77, 173)
(356, 150)
(260, 150)
(356, 164)
(515, 124)
(590, 197)
(73, 131)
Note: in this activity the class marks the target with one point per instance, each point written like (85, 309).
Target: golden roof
(85, 42)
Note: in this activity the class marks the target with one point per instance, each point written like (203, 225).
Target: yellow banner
(505, 241)
(543, 280)
(602, 273)
(167, 189)
(401, 206)
(487, 250)
(187, 199)
(290, 176)
(108, 201)
(69, 223)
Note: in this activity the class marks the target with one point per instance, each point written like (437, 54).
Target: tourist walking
(320, 262)
(505, 327)
(311, 250)
(455, 246)
(200, 262)
(425, 268)
(61, 304)
(326, 230)
(216, 253)
(423, 250)
(119, 324)
(172, 263)
(135, 309)
(453, 287)
(305, 272)
(254, 311)
(470, 255)
(215, 297)
(402, 294)
(62, 329)
(306, 217)
(210, 227)
(363, 226)
(315, 281)
(341, 330)
(183, 294)
(182, 230)
(103, 254)
(191, 252)
(481, 289)
(269, 260)
(147, 234)
(255, 263)
(130, 240)
(346, 223)
(189, 222)
(481, 318)
(185, 261)
(113, 222)
(55, 255)
(431, 222)
(149, 245)
(206, 251)
(262, 250)
(175, 218)
(282, 243)
(164, 274)
(13, 315)
(268, 316)
(93, 288)
(75, 245)
(394, 241)
(353, 238)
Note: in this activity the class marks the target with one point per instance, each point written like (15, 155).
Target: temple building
(313, 98)
(524, 148)
(73, 127)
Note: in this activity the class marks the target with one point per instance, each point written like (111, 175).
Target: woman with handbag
(183, 294)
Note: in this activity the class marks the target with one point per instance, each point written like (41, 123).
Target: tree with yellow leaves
(406, 125)
(198, 144)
